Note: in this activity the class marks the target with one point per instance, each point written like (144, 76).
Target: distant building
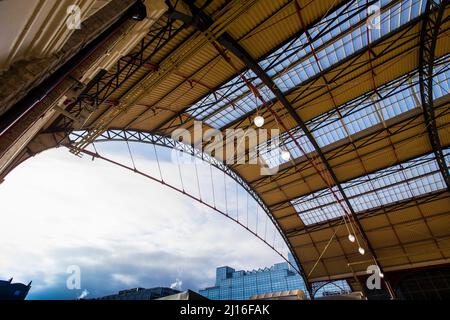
(282, 295)
(186, 295)
(141, 294)
(242, 285)
(13, 291)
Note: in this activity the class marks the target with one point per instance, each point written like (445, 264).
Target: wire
(212, 185)
(131, 154)
(157, 161)
(323, 251)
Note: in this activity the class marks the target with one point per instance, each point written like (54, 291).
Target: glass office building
(241, 285)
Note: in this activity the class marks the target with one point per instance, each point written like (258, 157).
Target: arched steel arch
(167, 142)
(319, 285)
(433, 19)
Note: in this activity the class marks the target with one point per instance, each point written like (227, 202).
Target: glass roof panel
(397, 97)
(318, 207)
(411, 179)
(273, 157)
(339, 35)
(222, 96)
(239, 108)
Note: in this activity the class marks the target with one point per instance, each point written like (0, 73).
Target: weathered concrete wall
(26, 74)
(16, 139)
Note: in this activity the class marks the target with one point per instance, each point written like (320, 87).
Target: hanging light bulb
(285, 155)
(361, 251)
(259, 121)
(351, 238)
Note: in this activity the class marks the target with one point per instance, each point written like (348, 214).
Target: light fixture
(259, 121)
(361, 251)
(351, 238)
(139, 11)
(381, 274)
(285, 155)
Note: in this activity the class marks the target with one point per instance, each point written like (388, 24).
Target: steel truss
(348, 108)
(106, 83)
(167, 142)
(343, 73)
(415, 201)
(433, 19)
(365, 140)
(408, 203)
(320, 284)
(416, 161)
(308, 87)
(169, 124)
(311, 83)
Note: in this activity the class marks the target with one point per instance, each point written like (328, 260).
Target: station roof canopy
(366, 147)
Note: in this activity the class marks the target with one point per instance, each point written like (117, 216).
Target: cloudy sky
(121, 229)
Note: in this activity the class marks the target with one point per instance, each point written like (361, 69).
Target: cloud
(83, 294)
(125, 279)
(177, 285)
(120, 228)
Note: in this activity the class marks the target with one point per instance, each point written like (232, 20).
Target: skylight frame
(220, 114)
(402, 182)
(368, 110)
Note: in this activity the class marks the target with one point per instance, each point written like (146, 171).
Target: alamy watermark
(73, 281)
(374, 17)
(233, 146)
(73, 21)
(373, 281)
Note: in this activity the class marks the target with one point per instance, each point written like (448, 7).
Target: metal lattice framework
(318, 286)
(434, 13)
(99, 91)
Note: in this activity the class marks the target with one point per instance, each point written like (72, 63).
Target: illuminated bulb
(381, 275)
(351, 238)
(259, 121)
(361, 251)
(285, 155)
